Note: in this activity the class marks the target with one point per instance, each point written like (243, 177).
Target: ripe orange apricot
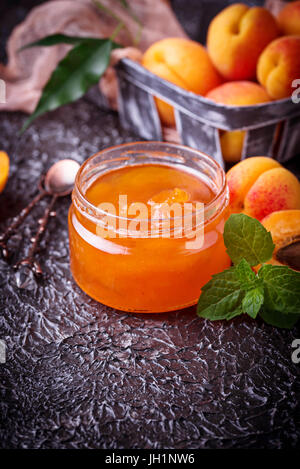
(259, 186)
(276, 189)
(4, 169)
(284, 227)
(279, 65)
(238, 93)
(242, 176)
(237, 36)
(289, 19)
(184, 63)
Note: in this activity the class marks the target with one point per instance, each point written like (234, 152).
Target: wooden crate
(272, 129)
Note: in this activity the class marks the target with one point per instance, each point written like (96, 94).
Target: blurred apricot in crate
(184, 63)
(289, 19)
(237, 36)
(236, 93)
(279, 66)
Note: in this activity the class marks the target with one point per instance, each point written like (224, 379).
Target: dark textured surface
(80, 375)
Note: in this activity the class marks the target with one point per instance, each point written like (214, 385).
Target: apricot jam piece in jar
(146, 273)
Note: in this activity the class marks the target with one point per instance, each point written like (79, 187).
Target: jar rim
(165, 148)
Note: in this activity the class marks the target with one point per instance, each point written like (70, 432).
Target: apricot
(289, 19)
(284, 227)
(238, 93)
(170, 196)
(279, 65)
(184, 63)
(242, 176)
(167, 197)
(276, 189)
(237, 36)
(259, 186)
(4, 169)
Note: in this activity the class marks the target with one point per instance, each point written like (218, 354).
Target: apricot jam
(151, 271)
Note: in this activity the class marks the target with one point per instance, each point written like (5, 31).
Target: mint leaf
(273, 293)
(246, 238)
(282, 288)
(253, 301)
(248, 279)
(253, 286)
(277, 319)
(221, 297)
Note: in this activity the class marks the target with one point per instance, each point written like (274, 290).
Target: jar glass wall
(146, 273)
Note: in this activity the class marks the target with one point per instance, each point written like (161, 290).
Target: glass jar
(146, 273)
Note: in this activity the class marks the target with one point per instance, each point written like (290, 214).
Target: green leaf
(282, 288)
(278, 319)
(245, 275)
(253, 301)
(246, 238)
(55, 39)
(74, 75)
(274, 292)
(221, 297)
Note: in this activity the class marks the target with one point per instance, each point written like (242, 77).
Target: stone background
(81, 375)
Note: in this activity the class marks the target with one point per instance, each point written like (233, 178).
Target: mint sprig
(246, 238)
(282, 288)
(221, 297)
(253, 301)
(273, 292)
